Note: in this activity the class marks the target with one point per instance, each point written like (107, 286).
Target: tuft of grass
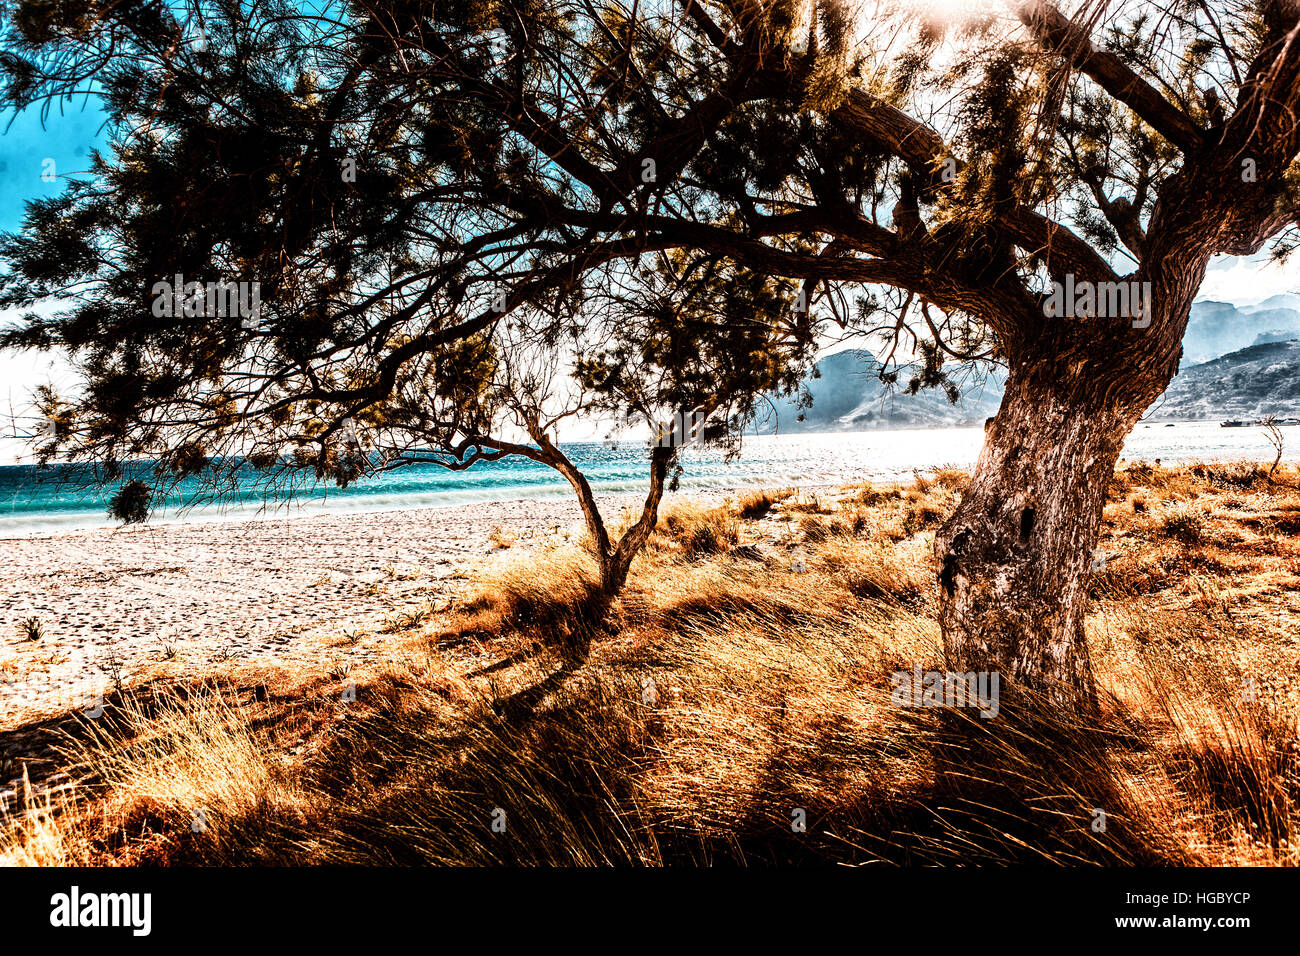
(185, 775)
(399, 621)
(31, 629)
(339, 670)
(45, 828)
(756, 504)
(1186, 526)
(872, 495)
(924, 516)
(398, 572)
(816, 528)
(699, 531)
(953, 479)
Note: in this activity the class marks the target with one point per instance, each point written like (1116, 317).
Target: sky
(32, 153)
(28, 148)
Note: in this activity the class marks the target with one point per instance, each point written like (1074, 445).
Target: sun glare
(948, 11)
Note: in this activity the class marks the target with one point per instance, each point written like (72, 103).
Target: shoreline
(116, 604)
(562, 493)
(792, 459)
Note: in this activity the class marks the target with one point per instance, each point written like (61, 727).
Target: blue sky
(69, 133)
(70, 130)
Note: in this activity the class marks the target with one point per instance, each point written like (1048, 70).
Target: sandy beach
(112, 603)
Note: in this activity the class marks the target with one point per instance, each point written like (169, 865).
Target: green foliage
(130, 505)
(696, 331)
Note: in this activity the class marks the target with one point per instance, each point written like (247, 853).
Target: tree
(688, 347)
(1273, 432)
(269, 270)
(986, 176)
(130, 504)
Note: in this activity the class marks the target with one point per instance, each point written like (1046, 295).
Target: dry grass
(724, 698)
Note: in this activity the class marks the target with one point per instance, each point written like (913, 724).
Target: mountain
(847, 396)
(1285, 300)
(1217, 328)
(1238, 362)
(1253, 382)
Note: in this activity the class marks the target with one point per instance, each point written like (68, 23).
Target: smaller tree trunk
(1275, 438)
(613, 559)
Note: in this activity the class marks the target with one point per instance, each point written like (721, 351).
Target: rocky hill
(1250, 383)
(1253, 382)
(1217, 328)
(848, 396)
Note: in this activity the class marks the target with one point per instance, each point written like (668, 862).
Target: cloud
(1247, 281)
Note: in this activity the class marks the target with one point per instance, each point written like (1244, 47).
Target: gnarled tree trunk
(613, 558)
(1016, 553)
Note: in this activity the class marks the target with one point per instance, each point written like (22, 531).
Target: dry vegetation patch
(729, 706)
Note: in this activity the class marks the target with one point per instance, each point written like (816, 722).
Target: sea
(44, 501)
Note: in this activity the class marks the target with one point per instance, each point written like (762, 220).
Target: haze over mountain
(849, 396)
(1238, 362)
(1217, 328)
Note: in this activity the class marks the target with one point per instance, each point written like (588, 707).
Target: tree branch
(1057, 34)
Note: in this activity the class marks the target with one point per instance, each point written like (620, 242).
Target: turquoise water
(44, 501)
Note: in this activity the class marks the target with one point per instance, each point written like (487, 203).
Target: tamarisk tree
(1040, 184)
(298, 261)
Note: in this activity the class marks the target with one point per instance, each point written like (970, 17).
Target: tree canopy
(422, 189)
